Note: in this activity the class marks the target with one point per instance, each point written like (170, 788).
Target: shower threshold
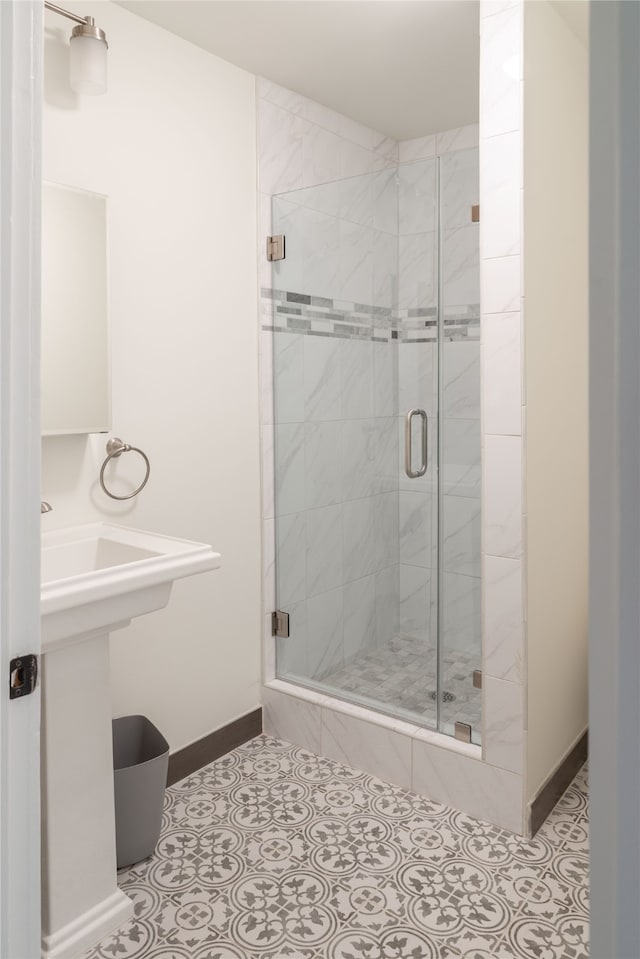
(399, 680)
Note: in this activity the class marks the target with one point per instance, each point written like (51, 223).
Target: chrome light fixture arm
(88, 63)
(66, 13)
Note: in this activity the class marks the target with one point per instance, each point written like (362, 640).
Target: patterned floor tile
(273, 852)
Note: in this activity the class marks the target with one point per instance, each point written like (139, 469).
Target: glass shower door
(356, 538)
(460, 640)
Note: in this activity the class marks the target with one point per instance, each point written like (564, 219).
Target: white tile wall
(460, 138)
(500, 287)
(302, 143)
(460, 266)
(502, 391)
(416, 523)
(387, 603)
(461, 380)
(324, 549)
(323, 465)
(503, 619)
(461, 535)
(292, 653)
(290, 472)
(415, 602)
(325, 650)
(501, 186)
(502, 488)
(504, 724)
(417, 376)
(418, 149)
(461, 469)
(359, 616)
(461, 610)
(417, 274)
(504, 669)
(357, 379)
(291, 542)
(500, 70)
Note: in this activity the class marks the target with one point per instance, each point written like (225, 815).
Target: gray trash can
(140, 762)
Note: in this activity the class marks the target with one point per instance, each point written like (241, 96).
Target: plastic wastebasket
(140, 762)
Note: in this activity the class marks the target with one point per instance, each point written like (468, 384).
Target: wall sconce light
(88, 54)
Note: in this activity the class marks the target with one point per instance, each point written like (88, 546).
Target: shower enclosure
(376, 372)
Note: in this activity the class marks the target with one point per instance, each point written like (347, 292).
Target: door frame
(21, 61)
(614, 412)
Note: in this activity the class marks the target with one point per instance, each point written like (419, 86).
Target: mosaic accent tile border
(273, 852)
(289, 312)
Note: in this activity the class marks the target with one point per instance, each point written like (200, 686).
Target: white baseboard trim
(89, 928)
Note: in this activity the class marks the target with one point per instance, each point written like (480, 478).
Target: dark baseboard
(554, 787)
(186, 761)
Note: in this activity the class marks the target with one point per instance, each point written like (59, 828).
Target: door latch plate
(23, 675)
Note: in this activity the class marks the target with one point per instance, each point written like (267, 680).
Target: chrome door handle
(414, 474)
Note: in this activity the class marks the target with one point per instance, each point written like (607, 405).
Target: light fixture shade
(88, 65)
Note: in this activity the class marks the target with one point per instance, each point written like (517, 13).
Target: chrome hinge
(463, 732)
(23, 675)
(280, 624)
(477, 679)
(275, 247)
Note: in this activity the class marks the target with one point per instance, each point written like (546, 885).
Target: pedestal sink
(95, 579)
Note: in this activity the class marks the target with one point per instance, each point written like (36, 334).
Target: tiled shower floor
(403, 673)
(275, 853)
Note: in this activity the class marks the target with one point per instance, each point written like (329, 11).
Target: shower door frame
(393, 710)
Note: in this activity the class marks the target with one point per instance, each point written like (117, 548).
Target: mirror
(75, 334)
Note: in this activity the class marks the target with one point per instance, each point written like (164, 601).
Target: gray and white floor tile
(272, 852)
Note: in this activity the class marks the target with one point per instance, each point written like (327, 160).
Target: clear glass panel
(355, 331)
(459, 497)
(375, 314)
(417, 309)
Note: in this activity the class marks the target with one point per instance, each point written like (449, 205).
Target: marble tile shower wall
(334, 518)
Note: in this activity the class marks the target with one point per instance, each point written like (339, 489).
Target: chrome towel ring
(115, 448)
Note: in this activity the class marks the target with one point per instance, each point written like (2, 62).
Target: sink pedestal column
(81, 901)
(95, 579)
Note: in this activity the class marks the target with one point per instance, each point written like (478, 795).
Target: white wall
(172, 145)
(556, 348)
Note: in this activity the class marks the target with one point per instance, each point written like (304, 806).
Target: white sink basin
(98, 576)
